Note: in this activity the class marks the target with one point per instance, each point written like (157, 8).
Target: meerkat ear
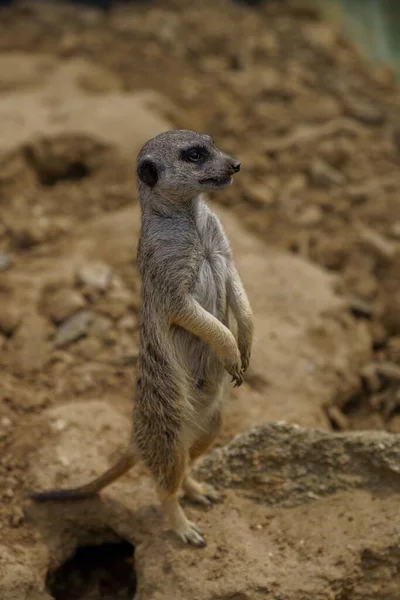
(147, 172)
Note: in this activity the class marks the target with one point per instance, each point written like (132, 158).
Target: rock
(277, 480)
(320, 35)
(95, 274)
(310, 216)
(391, 317)
(63, 304)
(26, 234)
(101, 327)
(262, 194)
(5, 262)
(364, 110)
(395, 230)
(336, 152)
(74, 328)
(116, 304)
(324, 175)
(394, 424)
(128, 323)
(28, 350)
(10, 316)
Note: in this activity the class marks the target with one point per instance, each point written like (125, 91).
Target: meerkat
(188, 343)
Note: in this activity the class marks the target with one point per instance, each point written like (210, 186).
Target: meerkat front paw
(245, 356)
(234, 368)
(244, 344)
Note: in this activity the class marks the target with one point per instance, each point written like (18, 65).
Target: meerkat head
(180, 164)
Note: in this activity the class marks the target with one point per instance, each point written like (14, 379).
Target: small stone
(63, 304)
(391, 317)
(116, 304)
(311, 215)
(364, 110)
(95, 275)
(5, 262)
(74, 328)
(128, 323)
(324, 175)
(395, 230)
(17, 517)
(6, 422)
(10, 317)
(262, 194)
(320, 35)
(28, 350)
(88, 347)
(394, 424)
(59, 425)
(101, 327)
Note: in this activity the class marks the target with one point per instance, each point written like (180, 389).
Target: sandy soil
(314, 221)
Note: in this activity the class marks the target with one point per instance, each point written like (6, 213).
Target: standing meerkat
(187, 347)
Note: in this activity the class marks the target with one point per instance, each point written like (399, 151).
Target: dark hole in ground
(73, 172)
(104, 572)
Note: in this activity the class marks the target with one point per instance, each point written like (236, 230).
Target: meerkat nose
(236, 166)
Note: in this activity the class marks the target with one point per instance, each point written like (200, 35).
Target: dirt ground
(314, 220)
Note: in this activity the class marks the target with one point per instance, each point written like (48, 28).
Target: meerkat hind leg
(202, 493)
(169, 498)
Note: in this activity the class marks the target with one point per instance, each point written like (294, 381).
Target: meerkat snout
(235, 166)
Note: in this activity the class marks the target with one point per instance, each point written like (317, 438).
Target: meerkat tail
(123, 465)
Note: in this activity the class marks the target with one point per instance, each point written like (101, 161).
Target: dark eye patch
(195, 154)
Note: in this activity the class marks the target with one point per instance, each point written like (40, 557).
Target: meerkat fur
(188, 343)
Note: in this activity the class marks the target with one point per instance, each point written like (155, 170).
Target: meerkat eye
(195, 155)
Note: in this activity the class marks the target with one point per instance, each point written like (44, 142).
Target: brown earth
(314, 221)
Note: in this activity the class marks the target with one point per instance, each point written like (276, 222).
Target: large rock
(306, 515)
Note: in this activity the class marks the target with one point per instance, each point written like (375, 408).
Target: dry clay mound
(306, 514)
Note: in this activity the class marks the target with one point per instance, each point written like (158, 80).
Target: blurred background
(305, 95)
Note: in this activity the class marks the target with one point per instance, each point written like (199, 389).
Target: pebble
(64, 303)
(10, 318)
(117, 303)
(262, 194)
(74, 328)
(365, 110)
(311, 215)
(5, 262)
(324, 175)
(395, 230)
(59, 425)
(28, 349)
(95, 275)
(128, 323)
(394, 424)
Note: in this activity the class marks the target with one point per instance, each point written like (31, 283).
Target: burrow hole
(103, 572)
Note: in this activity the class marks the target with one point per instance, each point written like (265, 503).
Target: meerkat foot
(185, 529)
(190, 534)
(201, 493)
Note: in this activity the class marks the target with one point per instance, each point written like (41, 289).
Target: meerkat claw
(191, 535)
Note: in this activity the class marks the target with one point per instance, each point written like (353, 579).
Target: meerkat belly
(199, 359)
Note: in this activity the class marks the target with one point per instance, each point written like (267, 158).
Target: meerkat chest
(210, 288)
